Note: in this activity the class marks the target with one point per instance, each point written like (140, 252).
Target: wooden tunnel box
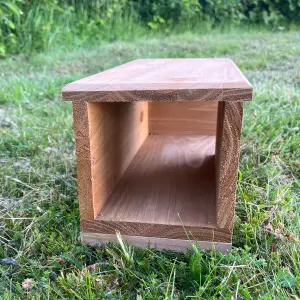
(157, 145)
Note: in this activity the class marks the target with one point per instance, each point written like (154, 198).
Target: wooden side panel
(108, 135)
(227, 159)
(154, 242)
(83, 155)
(117, 130)
(183, 118)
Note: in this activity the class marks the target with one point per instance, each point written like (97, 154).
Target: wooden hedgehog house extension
(157, 146)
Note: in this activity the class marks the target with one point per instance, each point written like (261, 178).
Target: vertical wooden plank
(107, 135)
(229, 127)
(83, 156)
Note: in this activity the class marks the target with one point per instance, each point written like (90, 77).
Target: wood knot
(142, 116)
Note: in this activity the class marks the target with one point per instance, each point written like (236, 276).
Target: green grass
(39, 224)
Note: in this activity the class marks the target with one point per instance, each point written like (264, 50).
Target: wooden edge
(165, 231)
(83, 159)
(227, 154)
(241, 73)
(153, 242)
(167, 95)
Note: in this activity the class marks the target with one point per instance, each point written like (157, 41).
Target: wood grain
(179, 232)
(230, 116)
(189, 79)
(108, 135)
(168, 176)
(153, 242)
(83, 156)
(139, 184)
(183, 118)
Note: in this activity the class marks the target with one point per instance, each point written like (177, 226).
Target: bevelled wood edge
(209, 94)
(227, 154)
(178, 245)
(157, 230)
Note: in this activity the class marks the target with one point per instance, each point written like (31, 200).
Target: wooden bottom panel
(153, 242)
(170, 181)
(156, 230)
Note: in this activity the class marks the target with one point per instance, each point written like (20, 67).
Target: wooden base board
(153, 242)
(170, 176)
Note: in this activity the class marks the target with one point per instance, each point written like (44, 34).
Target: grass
(39, 227)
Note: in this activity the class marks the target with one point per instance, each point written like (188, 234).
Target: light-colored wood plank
(153, 242)
(194, 79)
(108, 135)
(229, 128)
(183, 118)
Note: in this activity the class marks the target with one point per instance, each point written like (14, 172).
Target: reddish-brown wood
(190, 79)
(171, 180)
(107, 135)
(227, 160)
(183, 118)
(160, 163)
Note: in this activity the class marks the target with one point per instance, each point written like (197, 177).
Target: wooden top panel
(164, 80)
